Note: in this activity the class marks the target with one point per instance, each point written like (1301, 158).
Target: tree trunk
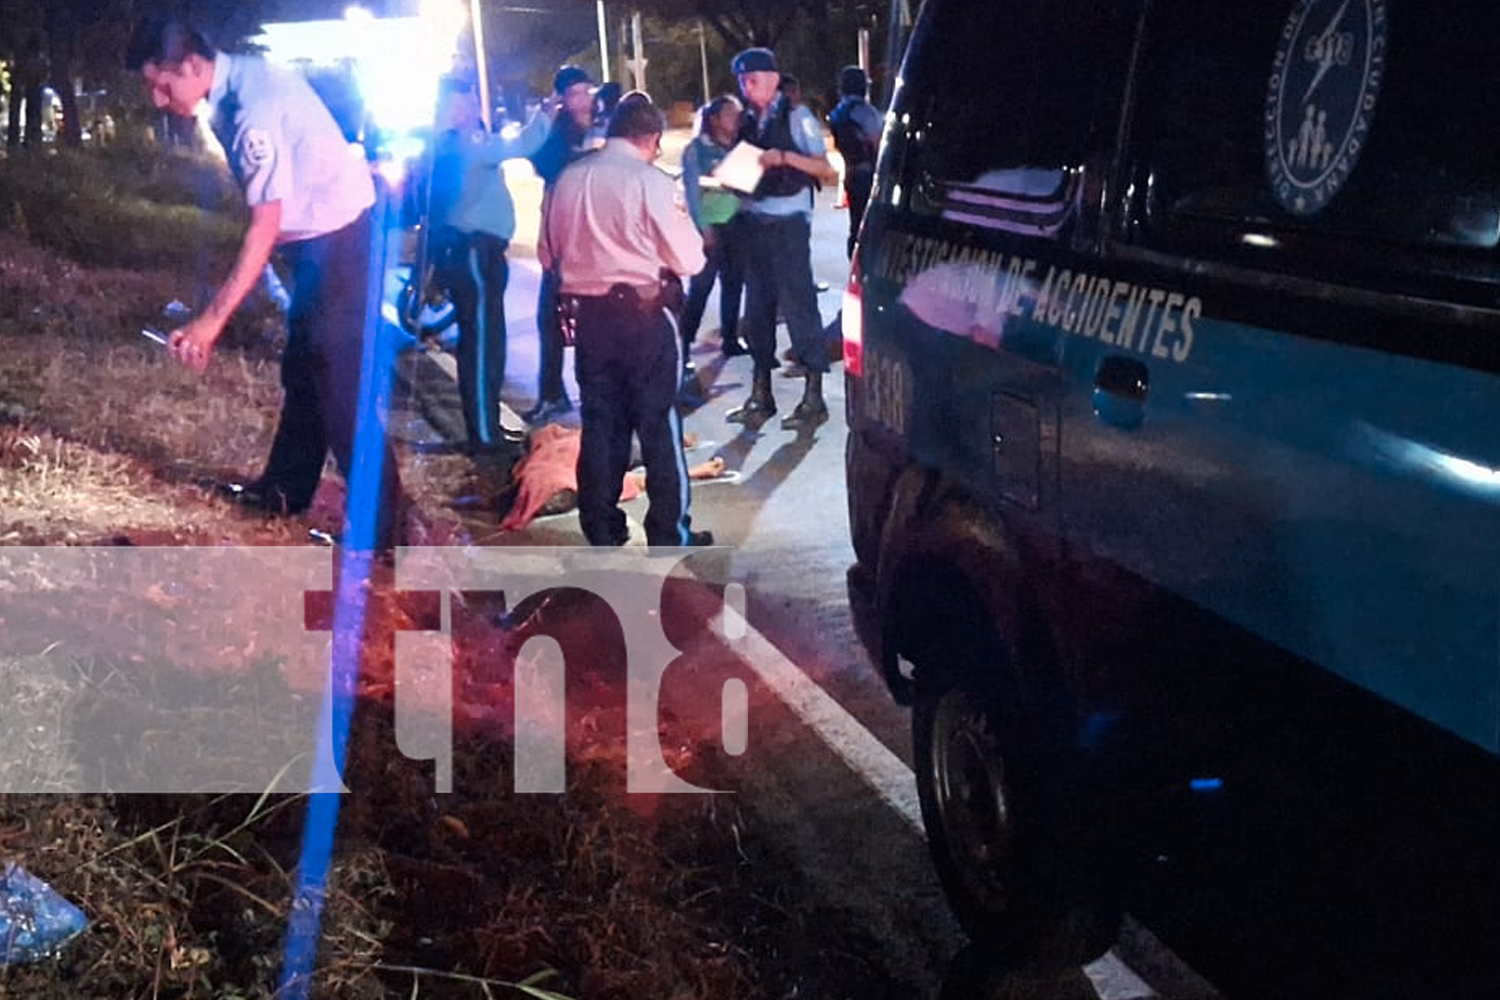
(28, 77)
(35, 103)
(13, 119)
(72, 130)
(62, 82)
(823, 42)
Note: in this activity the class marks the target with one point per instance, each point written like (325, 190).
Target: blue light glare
(304, 924)
(1471, 473)
(1459, 474)
(1206, 784)
(396, 60)
(1096, 729)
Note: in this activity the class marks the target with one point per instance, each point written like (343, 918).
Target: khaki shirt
(613, 218)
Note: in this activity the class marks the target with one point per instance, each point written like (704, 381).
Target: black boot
(760, 406)
(812, 411)
(732, 345)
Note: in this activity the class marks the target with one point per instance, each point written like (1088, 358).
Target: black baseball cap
(568, 75)
(754, 61)
(852, 81)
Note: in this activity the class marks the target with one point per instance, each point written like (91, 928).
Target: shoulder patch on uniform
(258, 148)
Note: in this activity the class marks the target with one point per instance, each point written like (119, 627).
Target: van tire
(1014, 881)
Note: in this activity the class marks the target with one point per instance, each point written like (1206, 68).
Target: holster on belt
(673, 295)
(567, 318)
(667, 294)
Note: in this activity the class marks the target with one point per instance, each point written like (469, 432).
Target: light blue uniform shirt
(483, 203)
(283, 145)
(807, 136)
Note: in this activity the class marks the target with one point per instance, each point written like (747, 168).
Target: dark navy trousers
(475, 273)
(550, 386)
(778, 278)
(628, 362)
(726, 265)
(321, 373)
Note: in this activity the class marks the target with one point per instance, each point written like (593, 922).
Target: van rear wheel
(1007, 873)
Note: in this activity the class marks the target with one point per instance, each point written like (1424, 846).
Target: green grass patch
(123, 207)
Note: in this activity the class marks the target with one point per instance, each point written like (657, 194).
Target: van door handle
(1120, 387)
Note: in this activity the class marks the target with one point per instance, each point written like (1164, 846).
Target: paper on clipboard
(740, 170)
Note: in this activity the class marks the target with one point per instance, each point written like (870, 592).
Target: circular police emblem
(1325, 80)
(258, 148)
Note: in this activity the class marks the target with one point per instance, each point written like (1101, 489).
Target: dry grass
(476, 894)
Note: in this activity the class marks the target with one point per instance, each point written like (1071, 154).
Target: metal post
(603, 45)
(622, 32)
(703, 58)
(638, 63)
(895, 46)
(481, 63)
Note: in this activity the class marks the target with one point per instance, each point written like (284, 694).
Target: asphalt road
(828, 763)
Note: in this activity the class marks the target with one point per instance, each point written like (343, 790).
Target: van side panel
(1330, 499)
(1233, 404)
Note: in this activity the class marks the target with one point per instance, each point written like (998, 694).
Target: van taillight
(854, 323)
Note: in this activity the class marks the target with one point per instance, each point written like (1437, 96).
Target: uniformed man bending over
(309, 192)
(612, 225)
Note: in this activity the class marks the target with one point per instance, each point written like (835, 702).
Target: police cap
(754, 61)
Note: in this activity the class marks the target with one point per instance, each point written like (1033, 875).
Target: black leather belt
(646, 298)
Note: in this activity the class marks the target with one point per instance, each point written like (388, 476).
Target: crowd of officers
(617, 239)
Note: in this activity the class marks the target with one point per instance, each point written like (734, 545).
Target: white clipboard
(740, 170)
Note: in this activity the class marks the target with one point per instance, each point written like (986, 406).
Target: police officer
(309, 193)
(611, 226)
(856, 133)
(568, 140)
(473, 219)
(778, 240)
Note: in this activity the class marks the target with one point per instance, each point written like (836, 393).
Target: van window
(1321, 120)
(996, 111)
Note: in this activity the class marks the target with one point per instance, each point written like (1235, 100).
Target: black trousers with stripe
(629, 363)
(475, 272)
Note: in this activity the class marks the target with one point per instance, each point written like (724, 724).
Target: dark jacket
(856, 133)
(777, 181)
(565, 143)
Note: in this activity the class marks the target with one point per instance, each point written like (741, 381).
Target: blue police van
(1172, 347)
